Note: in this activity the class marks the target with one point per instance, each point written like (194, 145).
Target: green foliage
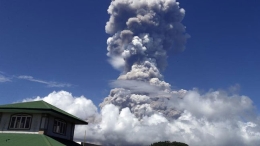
(168, 143)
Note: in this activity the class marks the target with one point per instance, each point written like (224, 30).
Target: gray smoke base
(143, 32)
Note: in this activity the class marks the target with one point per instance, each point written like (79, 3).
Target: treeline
(168, 143)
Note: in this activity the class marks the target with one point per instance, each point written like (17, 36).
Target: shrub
(168, 143)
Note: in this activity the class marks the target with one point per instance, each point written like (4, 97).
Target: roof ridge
(46, 140)
(46, 104)
(53, 107)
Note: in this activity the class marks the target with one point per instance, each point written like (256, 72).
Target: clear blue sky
(64, 42)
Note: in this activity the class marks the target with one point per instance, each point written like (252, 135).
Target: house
(36, 123)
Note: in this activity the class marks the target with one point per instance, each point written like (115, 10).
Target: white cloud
(211, 119)
(78, 106)
(216, 105)
(4, 79)
(140, 87)
(214, 118)
(48, 83)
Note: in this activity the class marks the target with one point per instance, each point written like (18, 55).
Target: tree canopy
(168, 143)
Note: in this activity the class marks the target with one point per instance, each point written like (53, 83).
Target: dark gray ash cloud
(143, 32)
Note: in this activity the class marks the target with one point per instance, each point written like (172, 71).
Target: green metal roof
(38, 105)
(11, 139)
(18, 139)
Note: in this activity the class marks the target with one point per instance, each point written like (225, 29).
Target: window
(20, 121)
(59, 127)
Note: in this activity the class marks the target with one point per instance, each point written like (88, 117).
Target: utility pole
(84, 139)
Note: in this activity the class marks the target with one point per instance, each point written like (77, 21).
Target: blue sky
(45, 44)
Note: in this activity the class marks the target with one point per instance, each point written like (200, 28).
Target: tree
(168, 143)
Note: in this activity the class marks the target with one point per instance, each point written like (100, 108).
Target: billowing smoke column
(144, 31)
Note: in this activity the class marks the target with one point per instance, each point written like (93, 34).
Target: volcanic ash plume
(143, 32)
(142, 108)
